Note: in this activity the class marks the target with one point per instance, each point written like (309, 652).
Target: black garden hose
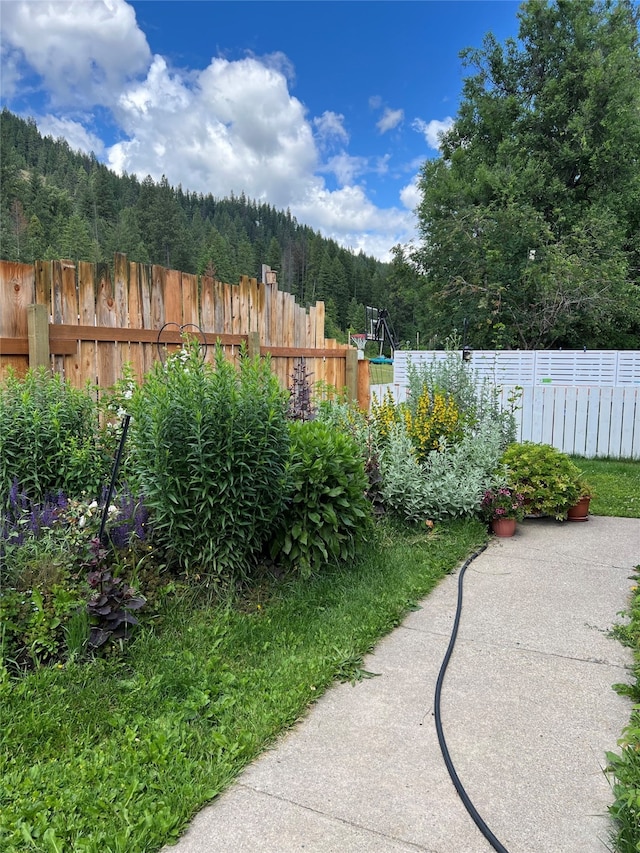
(479, 822)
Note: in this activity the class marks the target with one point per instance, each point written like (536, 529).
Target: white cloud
(410, 195)
(83, 51)
(330, 126)
(346, 168)
(433, 130)
(390, 119)
(78, 137)
(232, 127)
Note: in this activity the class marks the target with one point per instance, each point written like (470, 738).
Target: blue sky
(328, 108)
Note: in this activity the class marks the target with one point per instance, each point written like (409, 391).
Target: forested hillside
(57, 202)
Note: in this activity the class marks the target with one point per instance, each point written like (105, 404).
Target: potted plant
(545, 476)
(502, 507)
(580, 510)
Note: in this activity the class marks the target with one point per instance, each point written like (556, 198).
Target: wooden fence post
(253, 344)
(351, 373)
(38, 327)
(364, 389)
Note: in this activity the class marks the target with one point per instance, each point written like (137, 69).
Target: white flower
(82, 521)
(112, 509)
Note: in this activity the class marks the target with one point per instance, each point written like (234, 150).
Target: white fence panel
(610, 368)
(580, 420)
(586, 421)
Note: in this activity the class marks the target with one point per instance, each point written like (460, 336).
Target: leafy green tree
(531, 216)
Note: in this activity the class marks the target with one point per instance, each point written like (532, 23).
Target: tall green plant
(48, 437)
(209, 450)
(328, 514)
(477, 401)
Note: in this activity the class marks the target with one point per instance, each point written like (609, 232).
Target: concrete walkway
(528, 713)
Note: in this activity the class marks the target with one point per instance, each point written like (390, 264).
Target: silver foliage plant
(451, 481)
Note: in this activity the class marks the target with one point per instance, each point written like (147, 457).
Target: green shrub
(476, 401)
(546, 477)
(328, 514)
(49, 437)
(209, 451)
(448, 484)
(403, 485)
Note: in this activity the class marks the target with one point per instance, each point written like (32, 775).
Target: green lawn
(616, 483)
(116, 756)
(380, 374)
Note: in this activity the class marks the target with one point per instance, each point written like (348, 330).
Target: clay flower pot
(503, 526)
(579, 512)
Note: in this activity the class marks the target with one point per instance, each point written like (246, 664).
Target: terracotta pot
(579, 512)
(503, 526)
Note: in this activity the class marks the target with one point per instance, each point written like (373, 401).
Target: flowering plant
(502, 502)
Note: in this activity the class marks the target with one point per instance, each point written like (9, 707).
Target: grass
(118, 755)
(380, 374)
(617, 487)
(625, 765)
(616, 484)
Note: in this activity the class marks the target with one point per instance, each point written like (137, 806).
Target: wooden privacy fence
(82, 322)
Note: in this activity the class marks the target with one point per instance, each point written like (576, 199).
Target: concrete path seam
(328, 816)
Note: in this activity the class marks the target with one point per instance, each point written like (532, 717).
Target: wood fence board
(122, 353)
(190, 311)
(17, 290)
(42, 271)
(227, 309)
(218, 306)
(254, 314)
(207, 315)
(265, 330)
(319, 317)
(72, 364)
(105, 318)
(173, 297)
(97, 323)
(145, 275)
(136, 350)
(236, 309)
(87, 317)
(56, 307)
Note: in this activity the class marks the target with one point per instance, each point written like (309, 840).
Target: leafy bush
(385, 414)
(49, 437)
(403, 485)
(475, 400)
(434, 419)
(448, 484)
(209, 450)
(546, 477)
(45, 550)
(328, 514)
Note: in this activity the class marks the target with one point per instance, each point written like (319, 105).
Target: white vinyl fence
(567, 399)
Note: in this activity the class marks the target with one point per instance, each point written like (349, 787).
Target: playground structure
(379, 328)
